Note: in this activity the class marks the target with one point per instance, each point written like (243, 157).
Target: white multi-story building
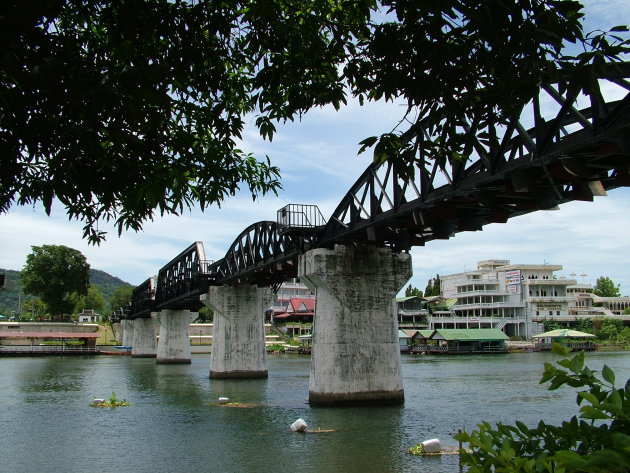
(587, 304)
(518, 298)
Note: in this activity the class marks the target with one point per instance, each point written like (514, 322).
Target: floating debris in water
(112, 402)
(299, 426)
(419, 450)
(234, 404)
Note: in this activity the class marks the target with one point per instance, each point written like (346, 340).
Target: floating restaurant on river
(460, 341)
(572, 339)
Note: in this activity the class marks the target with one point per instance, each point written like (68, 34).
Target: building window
(558, 312)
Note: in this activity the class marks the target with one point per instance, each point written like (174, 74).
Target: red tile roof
(301, 304)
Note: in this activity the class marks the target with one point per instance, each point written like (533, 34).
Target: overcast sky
(318, 161)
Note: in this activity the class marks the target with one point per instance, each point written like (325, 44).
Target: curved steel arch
(264, 253)
(574, 155)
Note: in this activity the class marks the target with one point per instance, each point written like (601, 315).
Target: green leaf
(589, 397)
(577, 363)
(590, 412)
(560, 349)
(608, 374)
(367, 143)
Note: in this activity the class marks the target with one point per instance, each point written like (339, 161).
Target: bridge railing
(300, 216)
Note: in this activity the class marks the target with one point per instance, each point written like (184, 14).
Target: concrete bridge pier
(238, 337)
(174, 342)
(127, 326)
(144, 341)
(355, 357)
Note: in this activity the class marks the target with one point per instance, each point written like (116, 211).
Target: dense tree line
(51, 272)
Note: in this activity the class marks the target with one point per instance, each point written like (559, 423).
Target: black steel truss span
(563, 146)
(182, 280)
(265, 254)
(577, 152)
(143, 299)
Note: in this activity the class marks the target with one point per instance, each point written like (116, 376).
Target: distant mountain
(9, 299)
(106, 282)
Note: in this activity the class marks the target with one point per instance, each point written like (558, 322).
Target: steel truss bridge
(563, 146)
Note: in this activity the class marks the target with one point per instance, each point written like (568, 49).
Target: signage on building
(548, 306)
(513, 277)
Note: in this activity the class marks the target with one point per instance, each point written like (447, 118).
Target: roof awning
(51, 335)
(564, 333)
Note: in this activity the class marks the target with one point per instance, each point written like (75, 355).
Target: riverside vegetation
(594, 441)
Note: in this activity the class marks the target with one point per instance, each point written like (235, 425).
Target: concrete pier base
(174, 342)
(144, 341)
(238, 339)
(356, 352)
(128, 332)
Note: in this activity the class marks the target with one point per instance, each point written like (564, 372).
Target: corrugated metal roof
(472, 334)
(13, 334)
(406, 298)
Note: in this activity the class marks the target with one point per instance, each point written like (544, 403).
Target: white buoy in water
(431, 446)
(299, 426)
(224, 400)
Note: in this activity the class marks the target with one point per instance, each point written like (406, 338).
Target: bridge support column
(128, 332)
(238, 337)
(355, 357)
(144, 341)
(174, 342)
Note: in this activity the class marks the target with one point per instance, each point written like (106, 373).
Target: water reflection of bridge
(562, 146)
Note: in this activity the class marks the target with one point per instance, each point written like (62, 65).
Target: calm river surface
(47, 425)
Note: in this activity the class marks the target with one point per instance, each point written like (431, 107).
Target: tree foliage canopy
(605, 287)
(434, 287)
(122, 108)
(120, 297)
(54, 273)
(412, 291)
(93, 300)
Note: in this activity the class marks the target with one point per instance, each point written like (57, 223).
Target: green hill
(106, 282)
(9, 300)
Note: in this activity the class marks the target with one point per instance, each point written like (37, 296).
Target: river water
(175, 425)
